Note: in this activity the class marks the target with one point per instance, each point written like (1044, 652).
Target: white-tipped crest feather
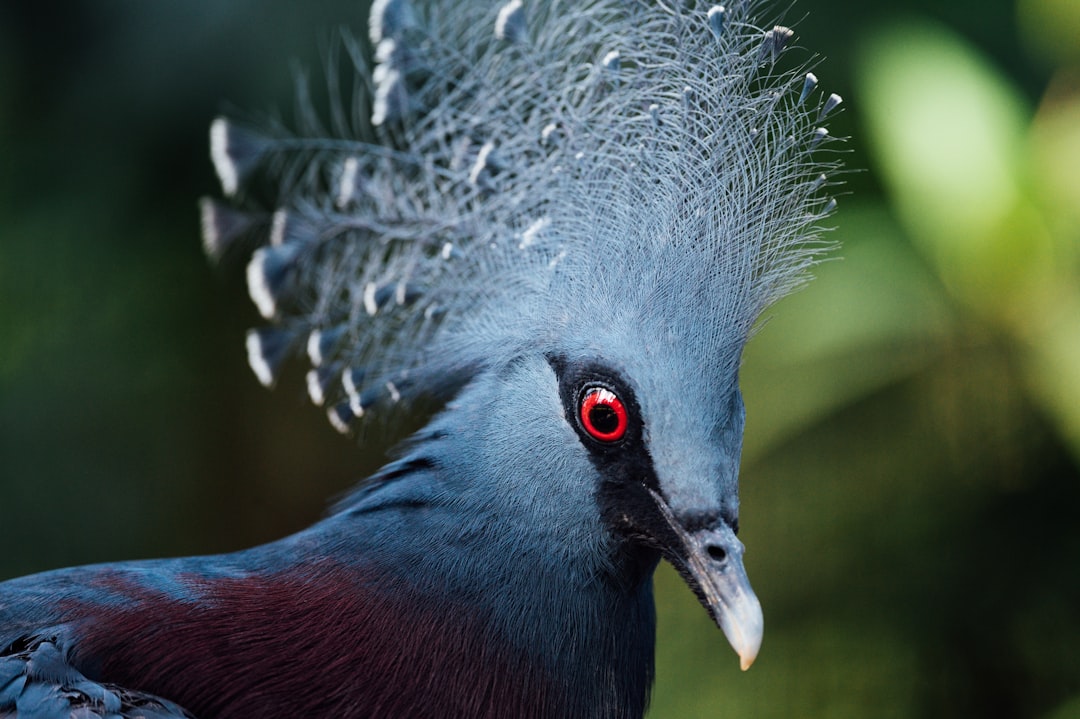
(635, 166)
(219, 154)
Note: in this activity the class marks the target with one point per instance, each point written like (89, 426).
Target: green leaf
(949, 136)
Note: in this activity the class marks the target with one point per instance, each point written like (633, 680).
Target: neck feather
(395, 606)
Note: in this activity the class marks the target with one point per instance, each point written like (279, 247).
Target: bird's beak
(710, 560)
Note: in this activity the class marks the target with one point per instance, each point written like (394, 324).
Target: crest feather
(509, 177)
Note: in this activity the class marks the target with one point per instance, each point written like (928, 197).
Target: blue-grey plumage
(624, 184)
(563, 220)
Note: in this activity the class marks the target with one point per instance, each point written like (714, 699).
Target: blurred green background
(911, 484)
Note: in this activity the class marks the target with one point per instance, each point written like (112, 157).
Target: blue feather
(730, 224)
(563, 222)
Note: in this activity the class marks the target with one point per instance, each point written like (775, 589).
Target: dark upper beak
(710, 560)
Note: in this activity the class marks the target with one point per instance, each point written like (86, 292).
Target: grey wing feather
(38, 682)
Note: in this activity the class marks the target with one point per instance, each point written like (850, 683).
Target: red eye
(603, 415)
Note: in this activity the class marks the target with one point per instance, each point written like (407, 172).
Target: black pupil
(604, 419)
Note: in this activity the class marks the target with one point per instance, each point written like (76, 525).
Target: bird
(550, 229)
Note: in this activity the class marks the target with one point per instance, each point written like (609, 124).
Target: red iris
(603, 415)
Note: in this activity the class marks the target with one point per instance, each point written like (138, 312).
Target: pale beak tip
(744, 626)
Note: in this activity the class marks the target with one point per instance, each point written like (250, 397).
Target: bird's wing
(38, 682)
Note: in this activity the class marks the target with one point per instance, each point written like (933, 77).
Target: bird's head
(646, 368)
(573, 240)
(662, 452)
(613, 423)
(602, 463)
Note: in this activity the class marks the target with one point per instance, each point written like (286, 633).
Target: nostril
(717, 553)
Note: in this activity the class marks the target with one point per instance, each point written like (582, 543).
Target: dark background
(911, 483)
